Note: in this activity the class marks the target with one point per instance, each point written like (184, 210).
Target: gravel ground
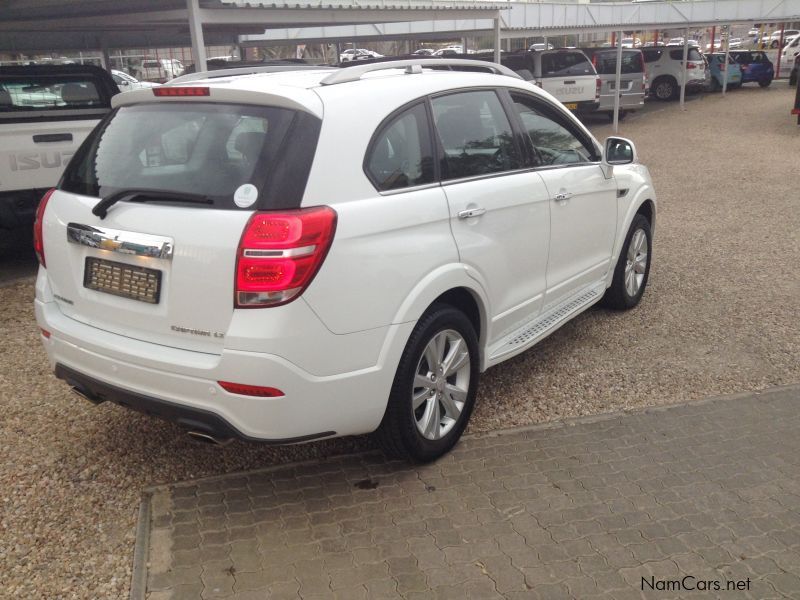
(720, 316)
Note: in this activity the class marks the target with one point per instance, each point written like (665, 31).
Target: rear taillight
(279, 254)
(597, 89)
(691, 66)
(38, 236)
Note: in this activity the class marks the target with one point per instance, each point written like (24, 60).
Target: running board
(530, 333)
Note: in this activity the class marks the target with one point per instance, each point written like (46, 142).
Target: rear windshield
(50, 94)
(558, 64)
(211, 150)
(606, 62)
(694, 54)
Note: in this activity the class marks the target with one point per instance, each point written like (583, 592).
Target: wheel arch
(644, 204)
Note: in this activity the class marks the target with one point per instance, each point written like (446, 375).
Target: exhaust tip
(207, 438)
(86, 395)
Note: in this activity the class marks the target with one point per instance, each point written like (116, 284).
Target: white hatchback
(248, 256)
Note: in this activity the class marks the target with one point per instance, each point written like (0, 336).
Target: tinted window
(401, 154)
(553, 141)
(201, 149)
(50, 93)
(652, 55)
(694, 54)
(475, 135)
(606, 63)
(558, 64)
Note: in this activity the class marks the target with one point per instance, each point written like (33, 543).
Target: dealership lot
(719, 317)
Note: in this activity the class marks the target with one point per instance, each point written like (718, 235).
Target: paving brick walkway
(602, 508)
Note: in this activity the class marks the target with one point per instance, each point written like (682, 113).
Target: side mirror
(619, 151)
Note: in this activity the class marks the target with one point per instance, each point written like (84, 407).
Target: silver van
(633, 82)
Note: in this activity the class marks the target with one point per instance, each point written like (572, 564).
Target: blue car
(755, 66)
(715, 62)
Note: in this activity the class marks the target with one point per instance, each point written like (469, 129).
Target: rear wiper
(141, 195)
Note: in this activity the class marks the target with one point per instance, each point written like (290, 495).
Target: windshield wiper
(141, 195)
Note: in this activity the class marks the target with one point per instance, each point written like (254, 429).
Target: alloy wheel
(636, 263)
(441, 384)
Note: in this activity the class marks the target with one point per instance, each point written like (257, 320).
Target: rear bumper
(193, 419)
(585, 107)
(181, 385)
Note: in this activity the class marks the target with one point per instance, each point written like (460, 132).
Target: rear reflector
(250, 390)
(38, 234)
(279, 254)
(45, 333)
(796, 111)
(181, 91)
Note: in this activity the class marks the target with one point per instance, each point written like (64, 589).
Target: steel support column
(196, 33)
(497, 38)
(617, 81)
(780, 52)
(683, 67)
(727, 44)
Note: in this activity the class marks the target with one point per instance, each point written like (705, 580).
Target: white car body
(631, 43)
(358, 54)
(127, 82)
(790, 50)
(544, 251)
(576, 87)
(159, 70)
(665, 64)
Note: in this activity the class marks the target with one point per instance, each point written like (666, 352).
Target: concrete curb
(141, 551)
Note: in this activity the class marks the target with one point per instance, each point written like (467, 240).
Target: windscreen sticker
(245, 195)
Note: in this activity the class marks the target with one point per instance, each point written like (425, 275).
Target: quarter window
(401, 154)
(475, 134)
(553, 143)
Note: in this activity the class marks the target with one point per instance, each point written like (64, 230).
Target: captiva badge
(245, 195)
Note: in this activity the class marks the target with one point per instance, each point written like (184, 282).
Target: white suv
(665, 70)
(250, 257)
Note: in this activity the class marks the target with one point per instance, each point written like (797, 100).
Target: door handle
(562, 196)
(471, 213)
(52, 137)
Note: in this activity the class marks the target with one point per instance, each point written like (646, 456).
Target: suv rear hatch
(181, 178)
(569, 76)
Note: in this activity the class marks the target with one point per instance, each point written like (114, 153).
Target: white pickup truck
(45, 114)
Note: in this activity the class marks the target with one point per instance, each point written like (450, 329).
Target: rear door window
(652, 54)
(50, 94)
(475, 135)
(204, 149)
(401, 153)
(560, 64)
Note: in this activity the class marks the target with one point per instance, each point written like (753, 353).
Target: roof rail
(413, 66)
(238, 71)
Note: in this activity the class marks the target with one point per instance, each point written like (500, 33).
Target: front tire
(765, 82)
(434, 388)
(633, 267)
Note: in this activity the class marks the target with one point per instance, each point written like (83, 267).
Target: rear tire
(765, 82)
(665, 89)
(633, 267)
(434, 388)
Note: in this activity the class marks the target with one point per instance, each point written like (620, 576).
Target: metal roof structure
(529, 19)
(29, 25)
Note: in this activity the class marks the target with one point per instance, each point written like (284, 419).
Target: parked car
(775, 38)
(679, 42)
(449, 51)
(791, 49)
(665, 71)
(358, 54)
(159, 70)
(715, 65)
(631, 43)
(365, 287)
(539, 46)
(633, 81)
(423, 52)
(755, 66)
(568, 74)
(45, 114)
(127, 82)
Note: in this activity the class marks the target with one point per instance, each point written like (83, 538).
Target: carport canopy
(38, 25)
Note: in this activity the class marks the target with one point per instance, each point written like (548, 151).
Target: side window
(401, 153)
(553, 143)
(475, 134)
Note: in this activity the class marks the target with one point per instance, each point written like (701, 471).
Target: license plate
(572, 105)
(120, 279)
